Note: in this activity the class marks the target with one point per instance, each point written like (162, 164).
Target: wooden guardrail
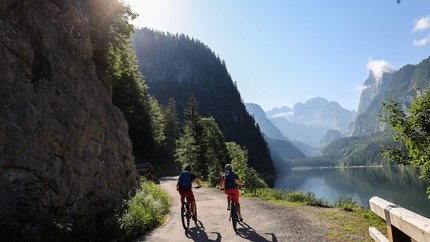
(402, 224)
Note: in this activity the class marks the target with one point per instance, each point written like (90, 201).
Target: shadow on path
(199, 234)
(249, 233)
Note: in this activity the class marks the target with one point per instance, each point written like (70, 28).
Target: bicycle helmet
(228, 167)
(187, 168)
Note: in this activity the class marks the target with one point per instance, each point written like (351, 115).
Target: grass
(345, 219)
(287, 197)
(351, 225)
(145, 211)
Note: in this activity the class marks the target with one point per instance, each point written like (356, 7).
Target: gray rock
(64, 148)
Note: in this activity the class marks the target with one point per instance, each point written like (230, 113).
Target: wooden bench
(402, 224)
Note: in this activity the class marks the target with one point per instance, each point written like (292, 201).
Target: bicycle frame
(187, 213)
(234, 218)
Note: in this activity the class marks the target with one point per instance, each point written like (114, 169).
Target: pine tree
(214, 151)
(187, 151)
(171, 124)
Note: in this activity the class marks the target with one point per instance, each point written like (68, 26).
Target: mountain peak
(275, 110)
(377, 68)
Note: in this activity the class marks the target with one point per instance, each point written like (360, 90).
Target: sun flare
(152, 13)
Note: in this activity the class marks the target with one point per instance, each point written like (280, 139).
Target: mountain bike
(187, 213)
(234, 216)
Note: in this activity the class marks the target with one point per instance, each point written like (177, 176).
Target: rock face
(402, 85)
(64, 148)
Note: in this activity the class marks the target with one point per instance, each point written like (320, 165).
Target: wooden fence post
(402, 224)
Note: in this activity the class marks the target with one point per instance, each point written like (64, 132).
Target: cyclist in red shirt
(184, 185)
(230, 182)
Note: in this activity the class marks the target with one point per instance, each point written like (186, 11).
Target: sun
(152, 13)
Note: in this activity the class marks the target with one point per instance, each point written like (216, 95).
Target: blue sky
(283, 52)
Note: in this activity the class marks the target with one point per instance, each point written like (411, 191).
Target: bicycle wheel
(185, 216)
(233, 215)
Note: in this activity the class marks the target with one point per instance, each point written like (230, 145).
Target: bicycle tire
(233, 215)
(185, 216)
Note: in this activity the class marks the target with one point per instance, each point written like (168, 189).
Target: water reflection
(399, 184)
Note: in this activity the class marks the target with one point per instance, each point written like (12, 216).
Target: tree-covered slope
(351, 151)
(176, 66)
(282, 152)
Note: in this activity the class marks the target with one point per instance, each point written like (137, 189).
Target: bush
(288, 196)
(307, 198)
(346, 203)
(145, 211)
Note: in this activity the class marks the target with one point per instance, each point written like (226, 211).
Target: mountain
(178, 67)
(266, 126)
(306, 149)
(307, 134)
(308, 122)
(370, 136)
(282, 152)
(401, 85)
(373, 87)
(283, 109)
(330, 136)
(281, 149)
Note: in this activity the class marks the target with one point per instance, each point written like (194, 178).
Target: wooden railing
(402, 224)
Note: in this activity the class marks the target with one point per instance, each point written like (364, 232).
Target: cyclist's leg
(191, 199)
(227, 192)
(235, 193)
(183, 195)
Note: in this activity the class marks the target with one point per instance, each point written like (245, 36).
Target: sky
(281, 52)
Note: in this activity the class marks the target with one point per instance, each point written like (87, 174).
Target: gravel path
(263, 221)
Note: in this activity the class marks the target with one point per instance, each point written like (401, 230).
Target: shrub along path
(263, 221)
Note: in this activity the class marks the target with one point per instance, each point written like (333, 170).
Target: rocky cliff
(64, 148)
(402, 86)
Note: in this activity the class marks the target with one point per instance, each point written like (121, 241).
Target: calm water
(399, 185)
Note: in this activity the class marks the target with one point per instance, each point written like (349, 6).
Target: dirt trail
(263, 221)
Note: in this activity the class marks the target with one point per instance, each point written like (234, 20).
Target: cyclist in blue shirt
(230, 182)
(184, 185)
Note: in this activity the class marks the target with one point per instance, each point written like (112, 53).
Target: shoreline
(295, 168)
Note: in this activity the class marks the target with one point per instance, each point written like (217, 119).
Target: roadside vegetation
(144, 212)
(346, 220)
(137, 216)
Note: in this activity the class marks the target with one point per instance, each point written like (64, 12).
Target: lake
(398, 184)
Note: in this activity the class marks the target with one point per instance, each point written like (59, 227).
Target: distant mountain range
(347, 137)
(280, 147)
(266, 126)
(309, 122)
(368, 135)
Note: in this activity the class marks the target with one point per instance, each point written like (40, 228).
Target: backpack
(230, 180)
(185, 180)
